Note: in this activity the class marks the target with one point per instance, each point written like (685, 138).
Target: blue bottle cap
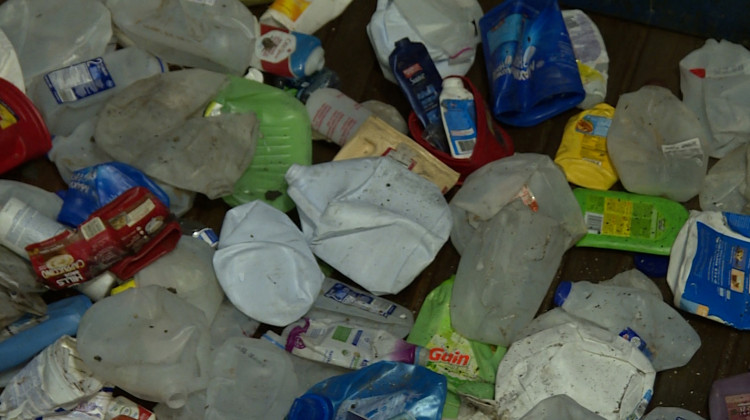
(562, 292)
(652, 265)
(311, 407)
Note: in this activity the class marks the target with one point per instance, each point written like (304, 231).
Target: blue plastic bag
(93, 187)
(382, 391)
(530, 62)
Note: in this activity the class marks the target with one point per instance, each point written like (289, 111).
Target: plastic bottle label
(738, 406)
(718, 276)
(503, 42)
(622, 218)
(636, 341)
(341, 293)
(275, 46)
(684, 150)
(594, 140)
(459, 118)
(79, 81)
(7, 117)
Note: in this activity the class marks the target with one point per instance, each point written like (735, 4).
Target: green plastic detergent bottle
(629, 221)
(286, 138)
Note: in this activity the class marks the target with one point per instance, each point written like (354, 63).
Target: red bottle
(23, 133)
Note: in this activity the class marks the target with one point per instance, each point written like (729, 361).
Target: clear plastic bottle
(458, 113)
(70, 95)
(645, 320)
(672, 413)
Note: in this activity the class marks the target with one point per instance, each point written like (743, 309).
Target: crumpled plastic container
(715, 85)
(446, 28)
(560, 407)
(251, 379)
(10, 68)
(216, 35)
(49, 34)
(77, 151)
(188, 272)
(149, 342)
(265, 266)
(725, 185)
(657, 145)
(513, 220)
(371, 219)
(599, 370)
(157, 125)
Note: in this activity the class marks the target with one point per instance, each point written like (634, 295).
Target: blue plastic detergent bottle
(530, 62)
(384, 389)
(22, 340)
(421, 82)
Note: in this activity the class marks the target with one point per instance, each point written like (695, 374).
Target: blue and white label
(717, 285)
(79, 81)
(636, 341)
(344, 294)
(460, 125)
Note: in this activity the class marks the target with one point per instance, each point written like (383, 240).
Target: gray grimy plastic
(149, 342)
(657, 145)
(172, 141)
(77, 151)
(371, 219)
(715, 84)
(513, 220)
(265, 266)
(725, 185)
(48, 34)
(188, 33)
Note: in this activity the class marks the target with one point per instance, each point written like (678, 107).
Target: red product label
(113, 232)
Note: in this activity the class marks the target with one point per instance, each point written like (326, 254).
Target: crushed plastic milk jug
(513, 220)
(265, 266)
(10, 68)
(649, 323)
(353, 211)
(600, 370)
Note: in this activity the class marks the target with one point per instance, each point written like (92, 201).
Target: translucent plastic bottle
(68, 96)
(672, 413)
(648, 322)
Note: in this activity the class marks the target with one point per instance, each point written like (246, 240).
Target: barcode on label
(465, 146)
(92, 228)
(594, 222)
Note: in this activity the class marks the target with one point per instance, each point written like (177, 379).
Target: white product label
(79, 81)
(275, 46)
(342, 293)
(685, 149)
(22, 225)
(92, 228)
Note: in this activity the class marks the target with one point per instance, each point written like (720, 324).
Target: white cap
(315, 61)
(453, 82)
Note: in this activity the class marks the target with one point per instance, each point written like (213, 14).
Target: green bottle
(630, 222)
(286, 138)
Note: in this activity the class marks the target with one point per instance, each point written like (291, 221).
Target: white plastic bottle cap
(453, 82)
(315, 61)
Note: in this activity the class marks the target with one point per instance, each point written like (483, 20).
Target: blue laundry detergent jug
(530, 62)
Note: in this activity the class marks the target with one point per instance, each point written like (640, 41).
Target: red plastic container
(492, 144)
(23, 133)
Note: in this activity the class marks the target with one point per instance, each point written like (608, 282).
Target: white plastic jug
(149, 342)
(216, 35)
(513, 220)
(447, 28)
(265, 266)
(371, 219)
(70, 95)
(251, 379)
(657, 145)
(725, 185)
(560, 407)
(48, 34)
(649, 323)
(599, 370)
(188, 272)
(10, 68)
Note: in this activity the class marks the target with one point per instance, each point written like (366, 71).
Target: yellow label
(617, 217)
(290, 8)
(7, 118)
